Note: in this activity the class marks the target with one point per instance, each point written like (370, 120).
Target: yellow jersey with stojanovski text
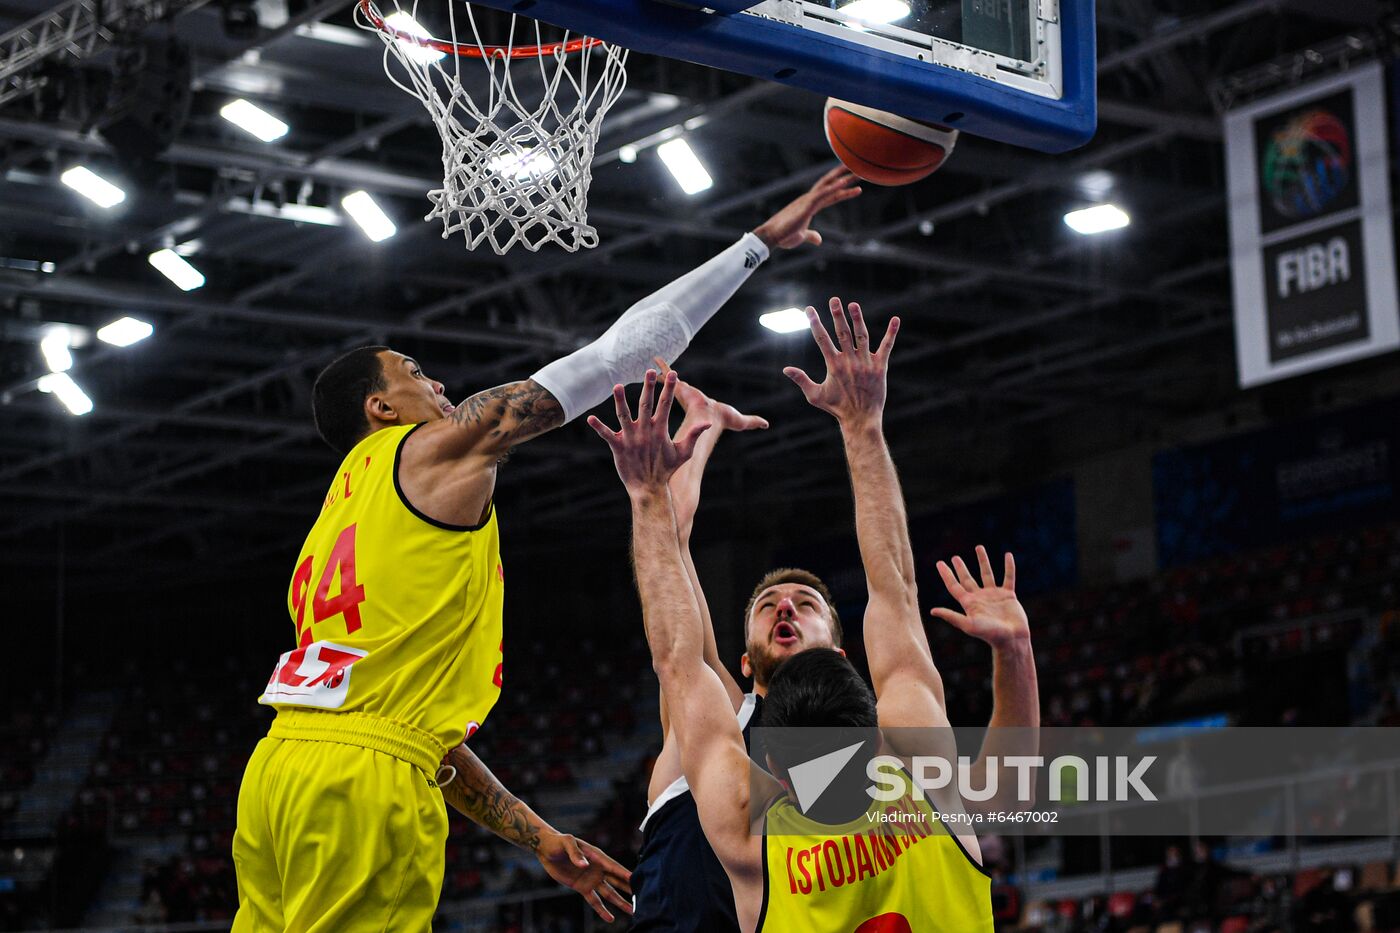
(396, 616)
(894, 869)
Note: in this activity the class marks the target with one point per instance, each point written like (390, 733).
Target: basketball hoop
(517, 150)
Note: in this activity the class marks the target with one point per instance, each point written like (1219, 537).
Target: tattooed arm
(495, 420)
(477, 795)
(447, 469)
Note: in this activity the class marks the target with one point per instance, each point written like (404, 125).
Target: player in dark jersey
(679, 883)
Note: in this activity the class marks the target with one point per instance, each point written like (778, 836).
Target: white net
(517, 147)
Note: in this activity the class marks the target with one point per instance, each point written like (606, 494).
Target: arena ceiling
(201, 443)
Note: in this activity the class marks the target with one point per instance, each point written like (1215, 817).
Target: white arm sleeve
(661, 324)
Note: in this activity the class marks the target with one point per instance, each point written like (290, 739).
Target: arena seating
(1364, 899)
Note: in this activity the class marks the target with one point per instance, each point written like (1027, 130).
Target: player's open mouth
(784, 634)
(448, 409)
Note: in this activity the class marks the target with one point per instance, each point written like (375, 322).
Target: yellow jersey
(397, 616)
(894, 869)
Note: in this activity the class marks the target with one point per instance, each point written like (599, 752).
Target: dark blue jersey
(679, 885)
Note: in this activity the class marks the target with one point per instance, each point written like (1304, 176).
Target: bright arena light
(253, 119)
(627, 154)
(685, 166)
(123, 332)
(406, 25)
(877, 11)
(93, 186)
(532, 164)
(68, 392)
(787, 321)
(54, 346)
(1098, 219)
(365, 212)
(177, 269)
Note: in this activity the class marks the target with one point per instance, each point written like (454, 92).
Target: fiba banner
(1310, 228)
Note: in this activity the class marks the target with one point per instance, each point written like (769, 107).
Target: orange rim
(478, 51)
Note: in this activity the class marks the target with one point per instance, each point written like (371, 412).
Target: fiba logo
(1307, 164)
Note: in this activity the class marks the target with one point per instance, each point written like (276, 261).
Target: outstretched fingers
(603, 431)
(624, 412)
(616, 873)
(648, 390)
(611, 894)
(952, 617)
(858, 329)
(887, 342)
(964, 575)
(685, 444)
(820, 335)
(839, 324)
(984, 565)
(950, 582)
(1009, 580)
(596, 903)
(663, 404)
(845, 190)
(838, 177)
(804, 381)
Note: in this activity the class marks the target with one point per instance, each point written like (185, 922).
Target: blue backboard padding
(828, 66)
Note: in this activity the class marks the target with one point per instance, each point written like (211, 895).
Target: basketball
(884, 148)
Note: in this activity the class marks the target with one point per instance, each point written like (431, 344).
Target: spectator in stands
(1205, 877)
(1324, 909)
(1170, 890)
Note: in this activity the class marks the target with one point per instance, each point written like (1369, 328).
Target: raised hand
(792, 226)
(588, 870)
(854, 387)
(645, 454)
(699, 406)
(991, 613)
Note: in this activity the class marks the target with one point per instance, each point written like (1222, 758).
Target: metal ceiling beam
(1186, 125)
(1185, 32)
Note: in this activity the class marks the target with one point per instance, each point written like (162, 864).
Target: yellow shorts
(338, 837)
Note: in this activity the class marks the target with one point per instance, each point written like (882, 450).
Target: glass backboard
(1020, 71)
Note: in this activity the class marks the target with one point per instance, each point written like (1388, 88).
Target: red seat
(1121, 905)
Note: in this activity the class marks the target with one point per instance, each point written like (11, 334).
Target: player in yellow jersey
(806, 875)
(396, 608)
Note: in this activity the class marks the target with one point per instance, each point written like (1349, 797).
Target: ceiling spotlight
(877, 11)
(177, 269)
(371, 218)
(54, 346)
(123, 332)
(1098, 219)
(685, 166)
(93, 186)
(253, 119)
(408, 29)
(787, 321)
(627, 154)
(68, 392)
(339, 35)
(296, 213)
